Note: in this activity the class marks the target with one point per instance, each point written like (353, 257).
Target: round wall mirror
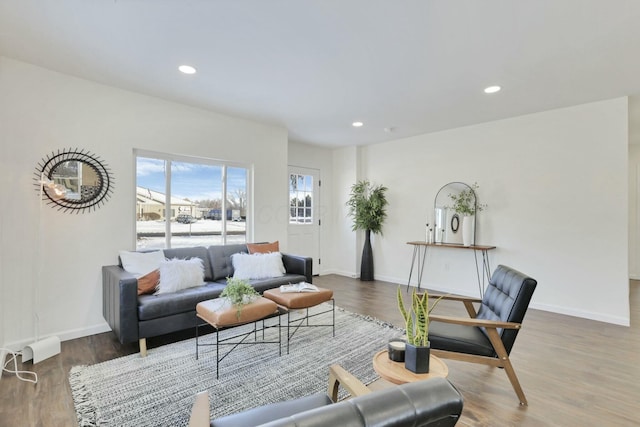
(447, 222)
(74, 180)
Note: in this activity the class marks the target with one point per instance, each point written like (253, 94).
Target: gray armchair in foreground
(487, 336)
(434, 402)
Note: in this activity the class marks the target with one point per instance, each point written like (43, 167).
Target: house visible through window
(207, 202)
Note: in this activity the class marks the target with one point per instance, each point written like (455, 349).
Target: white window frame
(199, 160)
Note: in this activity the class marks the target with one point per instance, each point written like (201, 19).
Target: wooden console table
(420, 254)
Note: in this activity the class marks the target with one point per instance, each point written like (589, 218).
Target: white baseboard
(83, 332)
(344, 273)
(616, 320)
(67, 335)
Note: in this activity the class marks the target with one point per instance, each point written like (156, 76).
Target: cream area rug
(159, 390)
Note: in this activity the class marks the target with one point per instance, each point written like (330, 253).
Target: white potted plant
(465, 204)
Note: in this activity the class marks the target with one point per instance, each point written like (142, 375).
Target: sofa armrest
(295, 264)
(120, 302)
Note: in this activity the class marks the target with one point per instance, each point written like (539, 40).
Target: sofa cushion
(182, 301)
(220, 259)
(193, 252)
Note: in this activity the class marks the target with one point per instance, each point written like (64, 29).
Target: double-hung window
(185, 201)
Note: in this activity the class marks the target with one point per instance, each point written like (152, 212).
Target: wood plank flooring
(575, 372)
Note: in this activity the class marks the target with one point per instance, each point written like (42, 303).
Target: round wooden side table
(396, 373)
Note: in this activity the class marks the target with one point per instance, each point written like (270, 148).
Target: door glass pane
(300, 196)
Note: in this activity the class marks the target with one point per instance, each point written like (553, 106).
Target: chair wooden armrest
(200, 411)
(339, 376)
(451, 297)
(467, 301)
(474, 322)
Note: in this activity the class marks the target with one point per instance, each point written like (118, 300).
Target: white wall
(556, 184)
(42, 111)
(313, 157)
(346, 245)
(634, 211)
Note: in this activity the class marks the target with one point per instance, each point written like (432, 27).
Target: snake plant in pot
(416, 319)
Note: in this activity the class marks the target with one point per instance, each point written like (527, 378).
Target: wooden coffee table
(396, 373)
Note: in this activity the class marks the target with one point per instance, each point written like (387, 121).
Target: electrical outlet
(446, 266)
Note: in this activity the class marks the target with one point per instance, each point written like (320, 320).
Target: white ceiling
(315, 66)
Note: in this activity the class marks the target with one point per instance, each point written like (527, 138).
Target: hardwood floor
(575, 372)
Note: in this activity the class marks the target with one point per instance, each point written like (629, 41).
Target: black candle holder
(396, 348)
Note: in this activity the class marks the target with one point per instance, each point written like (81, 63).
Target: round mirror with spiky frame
(73, 180)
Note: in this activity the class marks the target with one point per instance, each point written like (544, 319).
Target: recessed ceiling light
(187, 69)
(357, 124)
(492, 89)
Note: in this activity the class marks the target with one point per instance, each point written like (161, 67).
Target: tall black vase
(366, 267)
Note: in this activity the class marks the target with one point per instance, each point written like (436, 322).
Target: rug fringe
(368, 318)
(85, 409)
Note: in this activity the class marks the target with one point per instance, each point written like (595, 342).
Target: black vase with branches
(367, 206)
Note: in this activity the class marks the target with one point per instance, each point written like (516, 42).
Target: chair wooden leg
(511, 373)
(143, 347)
(498, 346)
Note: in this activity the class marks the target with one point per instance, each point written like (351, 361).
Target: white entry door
(304, 219)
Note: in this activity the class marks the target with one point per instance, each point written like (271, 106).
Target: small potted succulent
(239, 292)
(416, 319)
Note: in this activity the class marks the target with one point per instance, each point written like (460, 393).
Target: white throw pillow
(176, 274)
(141, 263)
(257, 266)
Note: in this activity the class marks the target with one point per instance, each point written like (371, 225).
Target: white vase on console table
(468, 224)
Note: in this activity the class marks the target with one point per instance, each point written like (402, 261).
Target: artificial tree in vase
(367, 206)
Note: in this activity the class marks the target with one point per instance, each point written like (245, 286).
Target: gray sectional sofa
(134, 317)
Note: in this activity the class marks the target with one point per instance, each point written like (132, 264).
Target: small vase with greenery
(240, 293)
(368, 208)
(416, 319)
(465, 203)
